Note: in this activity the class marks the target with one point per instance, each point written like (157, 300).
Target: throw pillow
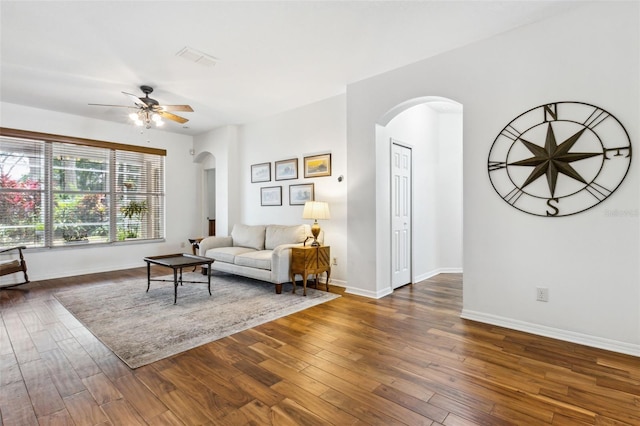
(248, 236)
(283, 234)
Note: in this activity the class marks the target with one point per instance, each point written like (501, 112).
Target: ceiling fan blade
(172, 117)
(185, 108)
(136, 100)
(117, 106)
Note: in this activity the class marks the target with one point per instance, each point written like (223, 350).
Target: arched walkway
(432, 128)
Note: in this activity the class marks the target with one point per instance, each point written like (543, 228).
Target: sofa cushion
(248, 236)
(283, 234)
(255, 259)
(227, 254)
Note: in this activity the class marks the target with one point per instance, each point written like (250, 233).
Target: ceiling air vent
(198, 57)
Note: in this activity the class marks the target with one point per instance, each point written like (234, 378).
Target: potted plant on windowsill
(133, 213)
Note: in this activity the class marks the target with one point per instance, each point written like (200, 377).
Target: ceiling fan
(149, 111)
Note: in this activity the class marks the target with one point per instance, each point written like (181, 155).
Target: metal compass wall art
(559, 159)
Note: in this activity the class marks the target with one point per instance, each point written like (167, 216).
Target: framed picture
(300, 194)
(287, 169)
(317, 166)
(271, 196)
(261, 172)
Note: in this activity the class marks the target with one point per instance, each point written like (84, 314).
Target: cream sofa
(262, 252)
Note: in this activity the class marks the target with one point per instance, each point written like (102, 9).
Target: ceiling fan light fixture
(157, 119)
(148, 111)
(137, 118)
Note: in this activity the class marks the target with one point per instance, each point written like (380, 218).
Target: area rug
(141, 327)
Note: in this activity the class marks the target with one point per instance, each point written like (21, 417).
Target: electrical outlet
(542, 294)
(335, 261)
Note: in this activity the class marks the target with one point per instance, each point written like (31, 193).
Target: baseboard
(360, 292)
(337, 283)
(387, 291)
(435, 272)
(83, 271)
(332, 282)
(370, 294)
(554, 333)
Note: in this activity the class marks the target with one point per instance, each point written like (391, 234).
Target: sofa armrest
(281, 262)
(214, 242)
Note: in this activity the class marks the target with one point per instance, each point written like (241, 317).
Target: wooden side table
(195, 246)
(310, 260)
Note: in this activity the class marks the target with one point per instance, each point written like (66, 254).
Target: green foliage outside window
(81, 217)
(20, 207)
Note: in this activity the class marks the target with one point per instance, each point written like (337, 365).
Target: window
(56, 191)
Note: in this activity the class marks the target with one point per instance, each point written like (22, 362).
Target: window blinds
(59, 190)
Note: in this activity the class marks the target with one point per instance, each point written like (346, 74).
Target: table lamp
(316, 210)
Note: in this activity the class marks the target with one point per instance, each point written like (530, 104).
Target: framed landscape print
(261, 172)
(317, 166)
(287, 169)
(271, 196)
(300, 194)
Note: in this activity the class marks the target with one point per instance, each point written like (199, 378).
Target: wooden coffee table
(177, 262)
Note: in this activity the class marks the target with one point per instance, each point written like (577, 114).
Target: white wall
(449, 202)
(180, 179)
(219, 148)
(588, 261)
(211, 198)
(313, 129)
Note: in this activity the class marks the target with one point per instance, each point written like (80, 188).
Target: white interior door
(401, 178)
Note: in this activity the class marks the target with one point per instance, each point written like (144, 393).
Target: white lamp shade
(316, 210)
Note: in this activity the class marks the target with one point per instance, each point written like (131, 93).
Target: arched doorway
(431, 128)
(208, 191)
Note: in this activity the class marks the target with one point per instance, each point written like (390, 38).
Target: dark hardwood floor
(405, 359)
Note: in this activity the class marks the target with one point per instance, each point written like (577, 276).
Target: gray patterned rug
(141, 327)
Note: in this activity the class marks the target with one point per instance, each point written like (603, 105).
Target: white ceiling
(273, 56)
